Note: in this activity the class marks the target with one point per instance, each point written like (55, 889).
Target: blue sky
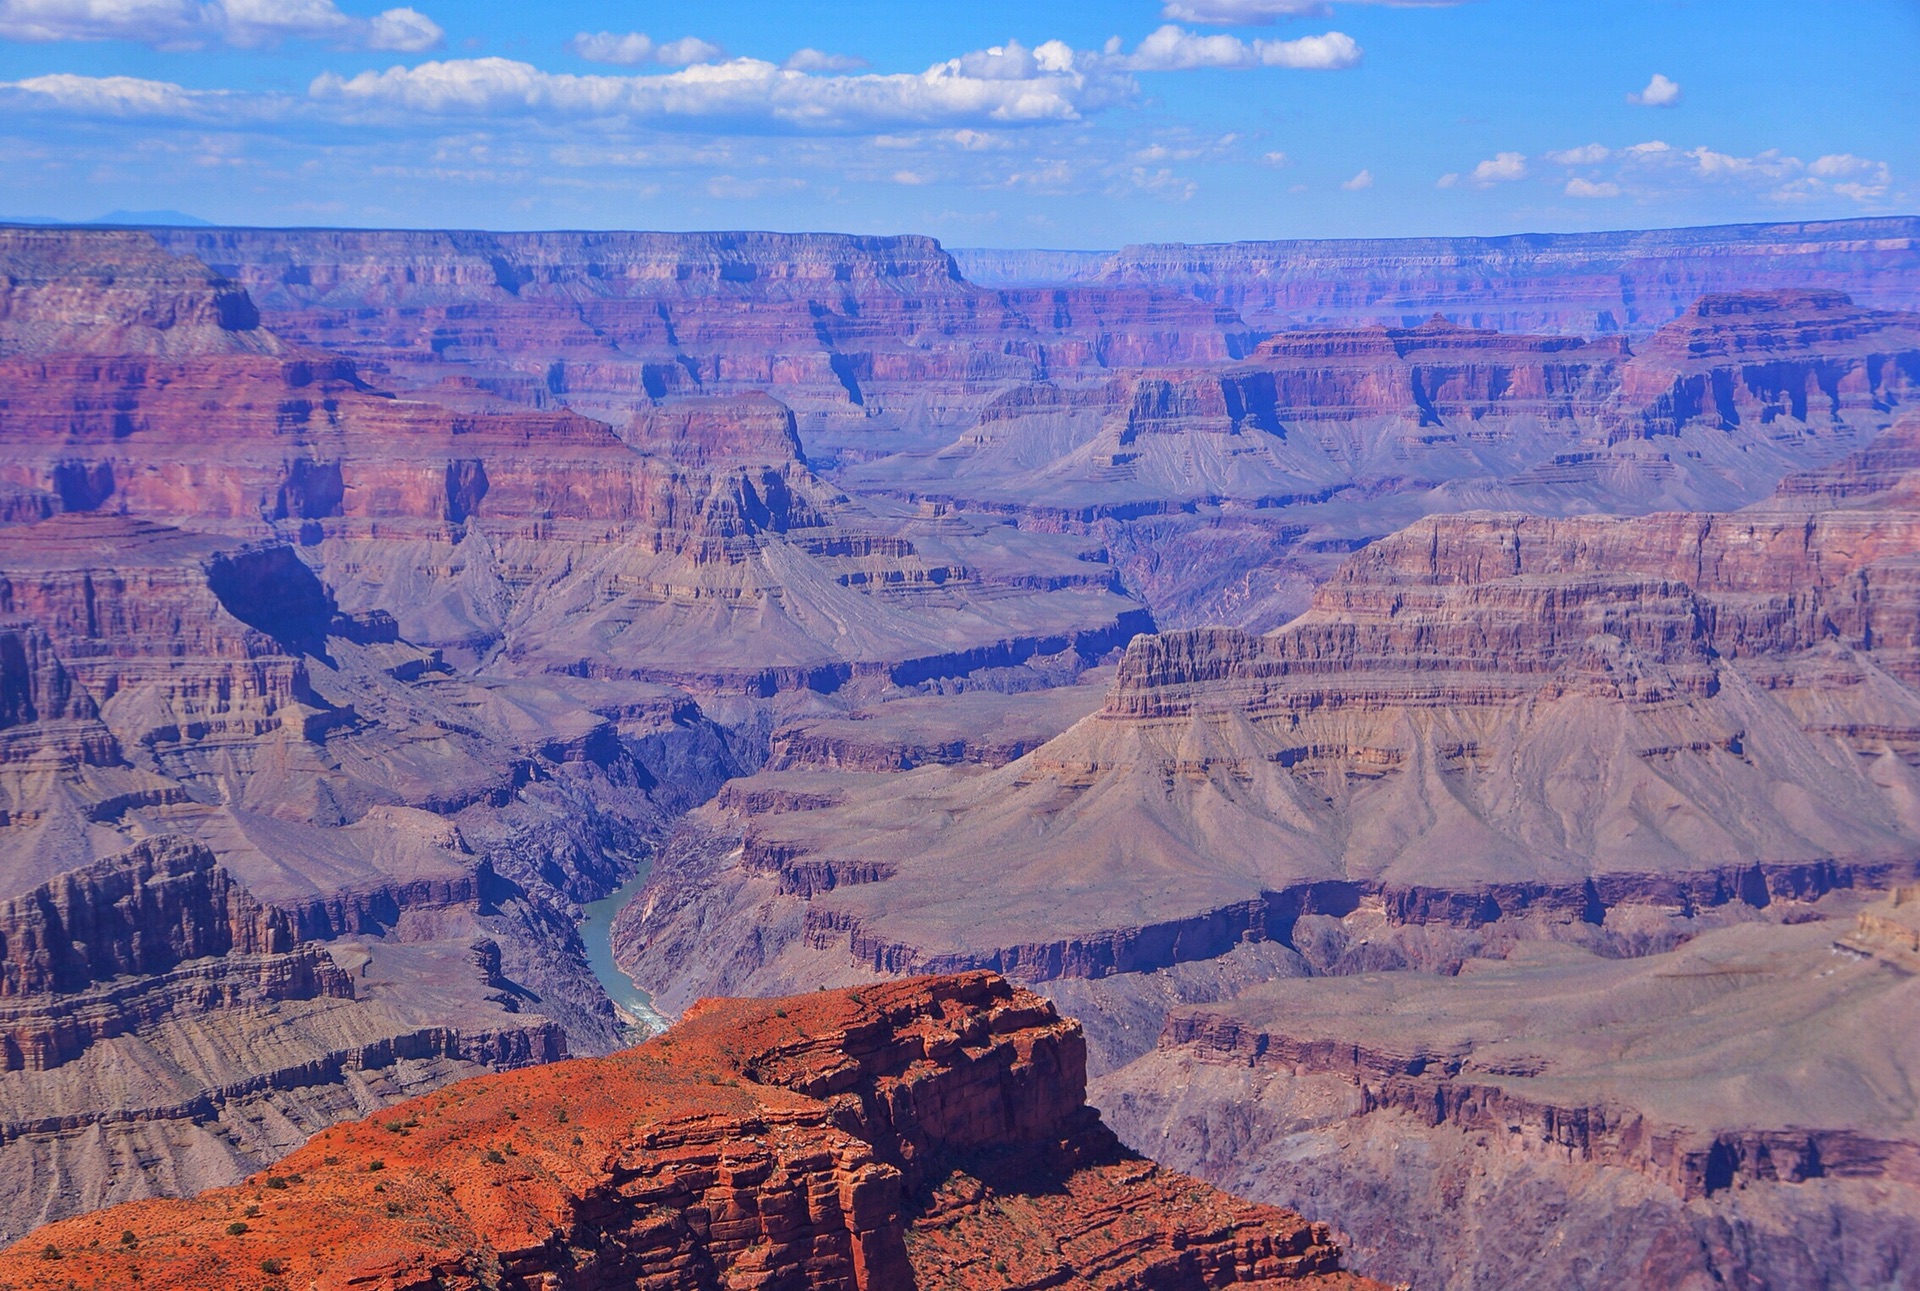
(990, 123)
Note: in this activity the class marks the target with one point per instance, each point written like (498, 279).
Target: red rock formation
(1805, 358)
(930, 1133)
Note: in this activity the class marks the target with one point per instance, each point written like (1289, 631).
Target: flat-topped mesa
(754, 428)
(68, 293)
(1511, 595)
(1755, 359)
(1584, 283)
(903, 1134)
(1467, 727)
(843, 328)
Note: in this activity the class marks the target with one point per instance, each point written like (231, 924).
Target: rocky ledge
(930, 1133)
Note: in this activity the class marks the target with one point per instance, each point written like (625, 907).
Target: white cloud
(193, 24)
(1660, 93)
(687, 51)
(1276, 159)
(1771, 174)
(1332, 51)
(1449, 180)
(1501, 168)
(632, 48)
(1243, 13)
(405, 31)
(1175, 49)
(1362, 180)
(1591, 154)
(1009, 85)
(814, 60)
(622, 49)
(1577, 187)
(1843, 165)
(117, 96)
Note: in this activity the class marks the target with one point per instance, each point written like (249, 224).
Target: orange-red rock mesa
(930, 1133)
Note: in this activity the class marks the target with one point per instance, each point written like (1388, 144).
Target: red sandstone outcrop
(930, 1133)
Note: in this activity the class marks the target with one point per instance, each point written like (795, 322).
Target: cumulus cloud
(814, 60)
(1008, 85)
(632, 48)
(1276, 159)
(1449, 180)
(1660, 93)
(1501, 168)
(1772, 175)
(193, 24)
(1577, 187)
(1362, 180)
(1174, 49)
(1248, 13)
(1591, 154)
(114, 96)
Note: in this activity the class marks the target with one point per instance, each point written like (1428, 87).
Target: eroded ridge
(928, 1133)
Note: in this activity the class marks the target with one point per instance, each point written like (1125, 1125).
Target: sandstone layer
(416, 678)
(1736, 1112)
(1582, 283)
(1221, 434)
(929, 1134)
(1486, 721)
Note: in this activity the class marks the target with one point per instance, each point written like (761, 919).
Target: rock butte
(930, 1133)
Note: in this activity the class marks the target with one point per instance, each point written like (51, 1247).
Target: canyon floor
(1443, 714)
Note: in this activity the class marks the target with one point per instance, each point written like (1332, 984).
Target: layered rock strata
(1487, 723)
(1728, 1113)
(1581, 283)
(930, 1133)
(163, 1030)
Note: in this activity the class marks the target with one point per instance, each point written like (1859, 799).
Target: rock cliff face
(1170, 405)
(1322, 438)
(162, 1029)
(1484, 720)
(930, 1133)
(1731, 1097)
(412, 675)
(1582, 283)
(369, 600)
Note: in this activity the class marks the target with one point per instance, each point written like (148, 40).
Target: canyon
(1263, 653)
